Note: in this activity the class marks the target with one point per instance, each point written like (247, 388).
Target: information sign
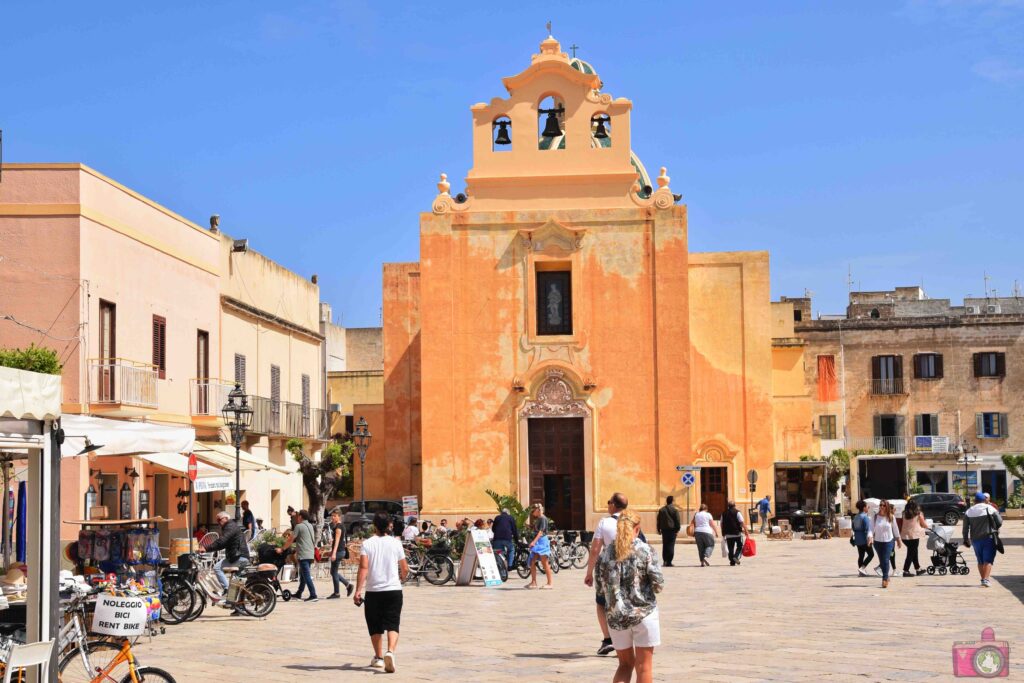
(410, 507)
(478, 552)
(211, 484)
(119, 616)
(688, 479)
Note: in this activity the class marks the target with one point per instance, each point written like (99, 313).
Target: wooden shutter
(878, 425)
(876, 368)
(897, 367)
(1000, 364)
(900, 425)
(305, 395)
(934, 419)
(938, 366)
(160, 345)
(275, 383)
(919, 425)
(979, 424)
(1004, 425)
(918, 366)
(977, 365)
(240, 369)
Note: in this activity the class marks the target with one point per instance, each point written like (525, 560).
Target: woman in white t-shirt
(704, 531)
(382, 568)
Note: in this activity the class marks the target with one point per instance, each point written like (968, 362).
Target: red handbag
(749, 548)
(318, 556)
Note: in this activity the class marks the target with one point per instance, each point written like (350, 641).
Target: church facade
(557, 339)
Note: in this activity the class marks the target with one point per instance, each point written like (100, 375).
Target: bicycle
(578, 552)
(105, 673)
(431, 563)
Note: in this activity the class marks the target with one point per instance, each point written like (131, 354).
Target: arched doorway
(555, 467)
(715, 459)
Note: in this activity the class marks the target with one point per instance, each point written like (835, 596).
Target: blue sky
(887, 137)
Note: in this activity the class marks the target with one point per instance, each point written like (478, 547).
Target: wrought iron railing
(208, 395)
(889, 444)
(282, 418)
(124, 382)
(888, 387)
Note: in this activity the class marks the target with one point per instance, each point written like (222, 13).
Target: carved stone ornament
(553, 237)
(444, 202)
(662, 198)
(555, 399)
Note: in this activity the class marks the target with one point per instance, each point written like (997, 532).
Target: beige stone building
(910, 375)
(355, 370)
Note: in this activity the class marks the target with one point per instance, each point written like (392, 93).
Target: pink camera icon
(985, 658)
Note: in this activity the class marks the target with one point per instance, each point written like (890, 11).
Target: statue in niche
(554, 305)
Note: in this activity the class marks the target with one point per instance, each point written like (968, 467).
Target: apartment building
(905, 374)
(146, 309)
(355, 370)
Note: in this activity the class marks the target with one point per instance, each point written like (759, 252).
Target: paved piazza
(796, 612)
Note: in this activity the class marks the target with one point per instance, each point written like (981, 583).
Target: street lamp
(968, 457)
(362, 438)
(238, 419)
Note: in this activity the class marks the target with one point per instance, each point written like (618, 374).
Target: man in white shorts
(604, 535)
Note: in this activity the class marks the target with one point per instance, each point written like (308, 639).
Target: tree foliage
(515, 506)
(1014, 464)
(34, 359)
(322, 478)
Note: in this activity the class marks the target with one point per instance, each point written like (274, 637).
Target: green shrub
(34, 359)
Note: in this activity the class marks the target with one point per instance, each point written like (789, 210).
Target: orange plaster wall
(401, 420)
(730, 343)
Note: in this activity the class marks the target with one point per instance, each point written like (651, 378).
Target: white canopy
(120, 437)
(29, 395)
(223, 455)
(179, 463)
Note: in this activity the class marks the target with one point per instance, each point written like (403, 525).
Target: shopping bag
(749, 548)
(725, 548)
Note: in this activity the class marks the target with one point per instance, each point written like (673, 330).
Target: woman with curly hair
(628, 576)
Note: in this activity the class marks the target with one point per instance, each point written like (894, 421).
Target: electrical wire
(43, 332)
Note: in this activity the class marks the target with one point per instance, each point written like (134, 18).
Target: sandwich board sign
(478, 552)
(119, 616)
(410, 507)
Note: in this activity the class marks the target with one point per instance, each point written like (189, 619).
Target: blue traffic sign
(688, 479)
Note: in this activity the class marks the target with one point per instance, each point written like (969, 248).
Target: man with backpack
(669, 525)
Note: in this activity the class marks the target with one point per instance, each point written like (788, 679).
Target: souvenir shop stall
(30, 441)
(801, 495)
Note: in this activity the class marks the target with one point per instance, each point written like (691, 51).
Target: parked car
(352, 514)
(946, 508)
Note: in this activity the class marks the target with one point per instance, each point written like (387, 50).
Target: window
(928, 366)
(827, 424)
(554, 302)
(203, 372)
(108, 331)
(992, 425)
(798, 315)
(240, 369)
(275, 398)
(305, 396)
(160, 345)
(926, 424)
(990, 364)
(501, 136)
(887, 375)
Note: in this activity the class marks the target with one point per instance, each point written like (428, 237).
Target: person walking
(604, 535)
(705, 531)
(248, 521)
(764, 507)
(629, 578)
(734, 529)
(668, 526)
(886, 534)
(339, 551)
(862, 538)
(302, 539)
(981, 532)
(505, 534)
(382, 569)
(911, 533)
(540, 547)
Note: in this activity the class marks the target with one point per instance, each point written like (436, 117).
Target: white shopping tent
(223, 455)
(121, 437)
(29, 411)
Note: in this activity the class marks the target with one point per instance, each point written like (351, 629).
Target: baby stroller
(270, 560)
(946, 555)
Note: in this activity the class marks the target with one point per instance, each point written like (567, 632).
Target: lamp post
(968, 457)
(362, 438)
(238, 419)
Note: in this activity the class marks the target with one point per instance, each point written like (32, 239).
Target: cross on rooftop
(574, 47)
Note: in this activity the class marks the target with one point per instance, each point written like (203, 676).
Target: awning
(222, 455)
(177, 462)
(120, 437)
(29, 395)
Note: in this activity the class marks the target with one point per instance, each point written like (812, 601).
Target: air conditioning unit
(992, 308)
(335, 408)
(973, 310)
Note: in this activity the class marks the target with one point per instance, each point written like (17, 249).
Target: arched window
(875, 313)
(601, 130)
(501, 134)
(551, 123)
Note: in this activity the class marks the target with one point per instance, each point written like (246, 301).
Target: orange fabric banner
(828, 382)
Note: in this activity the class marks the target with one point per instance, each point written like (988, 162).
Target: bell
(502, 137)
(601, 133)
(551, 127)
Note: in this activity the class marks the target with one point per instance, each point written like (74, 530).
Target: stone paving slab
(796, 612)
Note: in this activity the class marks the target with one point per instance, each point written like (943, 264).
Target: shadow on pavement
(554, 655)
(1014, 584)
(343, 667)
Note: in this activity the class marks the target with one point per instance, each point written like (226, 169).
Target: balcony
(207, 396)
(122, 387)
(896, 386)
(889, 444)
(281, 418)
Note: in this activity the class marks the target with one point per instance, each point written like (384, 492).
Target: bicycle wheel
(259, 600)
(149, 674)
(502, 567)
(177, 599)
(100, 654)
(580, 556)
(522, 565)
(199, 606)
(415, 560)
(437, 570)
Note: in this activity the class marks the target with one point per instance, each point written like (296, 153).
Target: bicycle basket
(587, 537)
(570, 536)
